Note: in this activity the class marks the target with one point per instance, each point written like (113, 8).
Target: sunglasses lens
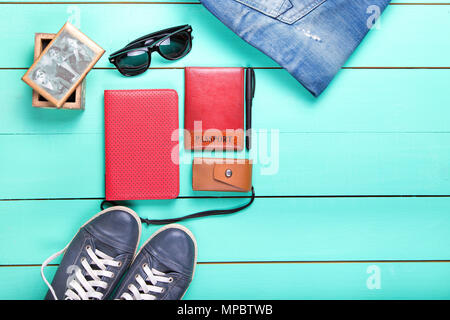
(133, 62)
(175, 46)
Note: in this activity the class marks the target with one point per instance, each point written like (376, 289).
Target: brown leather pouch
(216, 174)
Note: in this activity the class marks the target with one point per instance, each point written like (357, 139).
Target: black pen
(250, 85)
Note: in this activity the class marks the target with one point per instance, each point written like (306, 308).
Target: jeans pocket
(287, 11)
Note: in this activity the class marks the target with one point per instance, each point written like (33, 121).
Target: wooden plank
(215, 44)
(305, 281)
(107, 2)
(72, 165)
(292, 229)
(36, 164)
(357, 101)
(394, 2)
(21, 117)
(393, 38)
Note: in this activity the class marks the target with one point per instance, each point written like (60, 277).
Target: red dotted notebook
(141, 160)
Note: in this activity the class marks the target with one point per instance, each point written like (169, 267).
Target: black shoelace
(190, 216)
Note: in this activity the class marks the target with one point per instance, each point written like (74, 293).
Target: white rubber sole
(180, 227)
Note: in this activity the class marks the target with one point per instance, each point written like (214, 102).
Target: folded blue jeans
(311, 39)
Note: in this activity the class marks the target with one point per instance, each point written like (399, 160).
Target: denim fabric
(311, 39)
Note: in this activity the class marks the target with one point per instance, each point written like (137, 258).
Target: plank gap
(189, 2)
(265, 68)
(267, 262)
(248, 196)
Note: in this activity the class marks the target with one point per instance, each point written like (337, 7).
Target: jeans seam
(285, 16)
(282, 5)
(299, 15)
(262, 9)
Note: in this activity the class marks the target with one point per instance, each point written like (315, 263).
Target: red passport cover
(214, 99)
(141, 160)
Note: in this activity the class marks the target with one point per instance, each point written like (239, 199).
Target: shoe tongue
(107, 249)
(110, 238)
(163, 263)
(160, 266)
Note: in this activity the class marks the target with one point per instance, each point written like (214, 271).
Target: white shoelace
(78, 287)
(143, 291)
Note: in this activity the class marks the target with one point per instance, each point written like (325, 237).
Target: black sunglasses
(172, 44)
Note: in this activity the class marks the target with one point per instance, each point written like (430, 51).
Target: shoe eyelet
(170, 280)
(162, 290)
(83, 259)
(88, 247)
(144, 265)
(119, 264)
(112, 275)
(136, 276)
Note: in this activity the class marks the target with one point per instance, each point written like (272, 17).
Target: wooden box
(76, 99)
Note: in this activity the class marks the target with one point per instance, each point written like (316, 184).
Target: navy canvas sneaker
(163, 268)
(97, 257)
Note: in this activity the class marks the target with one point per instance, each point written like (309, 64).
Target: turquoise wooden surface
(393, 2)
(382, 131)
(382, 100)
(304, 281)
(294, 229)
(398, 41)
(72, 165)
